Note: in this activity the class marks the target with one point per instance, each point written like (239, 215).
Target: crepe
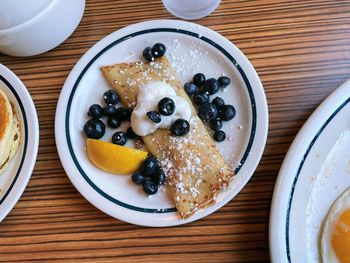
(195, 169)
(9, 131)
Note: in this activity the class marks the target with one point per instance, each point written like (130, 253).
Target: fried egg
(335, 240)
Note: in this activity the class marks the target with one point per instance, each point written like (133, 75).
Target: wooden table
(300, 49)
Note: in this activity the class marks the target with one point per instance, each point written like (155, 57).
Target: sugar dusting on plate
(191, 61)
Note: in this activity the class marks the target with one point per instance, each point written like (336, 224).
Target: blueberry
(159, 177)
(180, 127)
(211, 86)
(224, 81)
(228, 112)
(131, 134)
(166, 106)
(207, 112)
(154, 116)
(158, 50)
(216, 124)
(113, 122)
(190, 88)
(95, 111)
(147, 54)
(109, 110)
(111, 97)
(123, 114)
(218, 102)
(149, 166)
(219, 136)
(94, 129)
(138, 178)
(149, 187)
(119, 138)
(201, 98)
(199, 79)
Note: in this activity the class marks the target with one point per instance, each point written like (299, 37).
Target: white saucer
(15, 178)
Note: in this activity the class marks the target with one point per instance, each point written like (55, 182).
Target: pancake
(195, 169)
(9, 131)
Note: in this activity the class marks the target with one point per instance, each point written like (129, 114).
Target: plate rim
(31, 140)
(262, 126)
(300, 147)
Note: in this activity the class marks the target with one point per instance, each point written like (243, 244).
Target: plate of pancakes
(19, 139)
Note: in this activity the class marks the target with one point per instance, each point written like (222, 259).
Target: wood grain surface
(301, 51)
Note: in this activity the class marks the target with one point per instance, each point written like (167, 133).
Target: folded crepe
(195, 169)
(9, 131)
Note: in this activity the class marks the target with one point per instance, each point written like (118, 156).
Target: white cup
(15, 12)
(31, 27)
(191, 9)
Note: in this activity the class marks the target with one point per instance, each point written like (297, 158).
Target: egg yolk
(341, 237)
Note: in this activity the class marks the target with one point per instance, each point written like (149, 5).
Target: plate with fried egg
(19, 138)
(310, 213)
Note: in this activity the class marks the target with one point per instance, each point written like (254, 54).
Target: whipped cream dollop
(147, 100)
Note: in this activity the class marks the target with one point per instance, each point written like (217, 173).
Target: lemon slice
(114, 158)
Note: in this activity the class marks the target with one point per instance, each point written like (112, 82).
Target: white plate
(15, 178)
(314, 173)
(190, 48)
